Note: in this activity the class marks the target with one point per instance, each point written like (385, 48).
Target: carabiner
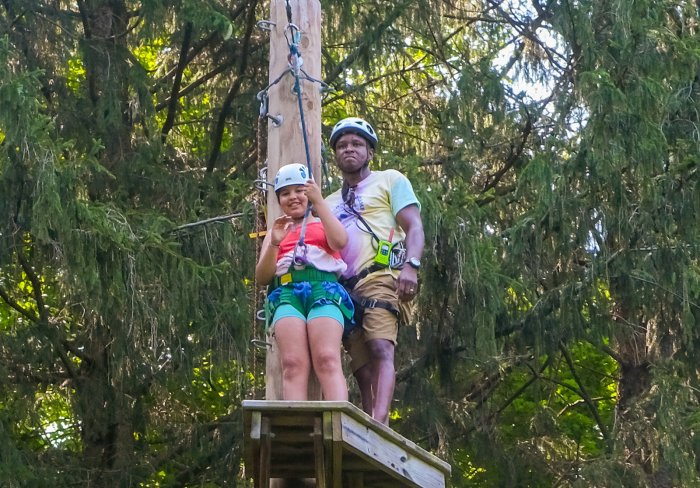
(300, 260)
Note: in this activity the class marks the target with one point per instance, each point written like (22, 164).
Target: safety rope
(295, 61)
(289, 12)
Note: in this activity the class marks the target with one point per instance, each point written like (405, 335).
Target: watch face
(415, 262)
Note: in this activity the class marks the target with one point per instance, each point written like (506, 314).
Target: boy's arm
(410, 221)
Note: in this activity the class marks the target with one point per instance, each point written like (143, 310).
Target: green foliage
(108, 308)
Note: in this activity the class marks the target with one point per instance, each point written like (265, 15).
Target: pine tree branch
(613, 354)
(580, 401)
(24, 373)
(233, 91)
(16, 306)
(196, 83)
(84, 17)
(75, 351)
(206, 431)
(513, 156)
(87, 32)
(584, 394)
(221, 218)
(243, 165)
(194, 51)
(181, 64)
(196, 48)
(366, 40)
(43, 318)
(37, 289)
(375, 79)
(536, 375)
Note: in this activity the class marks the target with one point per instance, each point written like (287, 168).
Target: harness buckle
(371, 303)
(285, 278)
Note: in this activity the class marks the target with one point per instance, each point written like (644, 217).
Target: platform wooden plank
(412, 469)
(357, 450)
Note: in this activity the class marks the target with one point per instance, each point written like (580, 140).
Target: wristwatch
(413, 262)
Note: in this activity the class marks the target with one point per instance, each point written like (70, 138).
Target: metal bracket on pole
(262, 184)
(266, 25)
(277, 120)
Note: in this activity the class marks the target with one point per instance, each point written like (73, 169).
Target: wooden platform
(335, 443)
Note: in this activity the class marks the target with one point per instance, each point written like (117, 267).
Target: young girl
(306, 307)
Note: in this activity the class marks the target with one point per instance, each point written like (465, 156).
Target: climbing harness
(306, 274)
(389, 254)
(362, 303)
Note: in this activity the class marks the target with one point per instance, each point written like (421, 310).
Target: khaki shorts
(377, 323)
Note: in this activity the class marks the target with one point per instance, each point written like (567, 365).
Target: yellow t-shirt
(377, 199)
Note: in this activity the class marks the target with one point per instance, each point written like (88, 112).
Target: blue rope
(289, 12)
(297, 89)
(296, 68)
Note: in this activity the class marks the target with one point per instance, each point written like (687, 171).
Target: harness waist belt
(373, 303)
(306, 274)
(349, 283)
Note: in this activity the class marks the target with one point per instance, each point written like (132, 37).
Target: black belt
(372, 303)
(349, 283)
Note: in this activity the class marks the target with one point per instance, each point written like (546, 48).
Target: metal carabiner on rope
(295, 32)
(300, 260)
(294, 60)
(260, 344)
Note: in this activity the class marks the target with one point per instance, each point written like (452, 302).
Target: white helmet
(291, 174)
(356, 126)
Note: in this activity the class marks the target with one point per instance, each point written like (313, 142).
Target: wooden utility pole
(285, 135)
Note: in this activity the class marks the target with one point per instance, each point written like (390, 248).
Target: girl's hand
(280, 229)
(313, 192)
